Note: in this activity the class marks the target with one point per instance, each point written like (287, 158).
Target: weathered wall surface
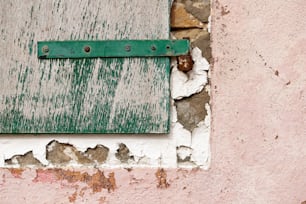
(258, 124)
(187, 145)
(259, 101)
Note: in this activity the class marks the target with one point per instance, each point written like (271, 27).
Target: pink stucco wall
(258, 124)
(259, 101)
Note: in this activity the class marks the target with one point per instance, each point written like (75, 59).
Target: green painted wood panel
(109, 95)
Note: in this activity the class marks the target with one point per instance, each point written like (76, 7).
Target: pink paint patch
(45, 176)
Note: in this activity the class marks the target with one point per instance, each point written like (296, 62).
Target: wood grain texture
(127, 95)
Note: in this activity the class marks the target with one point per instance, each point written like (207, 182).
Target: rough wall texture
(258, 124)
(258, 99)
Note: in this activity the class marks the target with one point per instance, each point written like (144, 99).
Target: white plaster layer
(184, 85)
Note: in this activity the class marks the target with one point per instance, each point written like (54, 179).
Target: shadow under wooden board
(100, 95)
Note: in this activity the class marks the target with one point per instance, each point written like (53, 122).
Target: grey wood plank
(129, 95)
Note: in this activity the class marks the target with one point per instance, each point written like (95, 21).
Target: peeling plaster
(184, 85)
(183, 153)
(26, 160)
(146, 150)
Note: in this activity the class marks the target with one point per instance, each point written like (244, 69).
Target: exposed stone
(25, 160)
(180, 18)
(123, 153)
(192, 33)
(190, 111)
(201, 10)
(203, 43)
(55, 152)
(183, 153)
(198, 37)
(61, 153)
(98, 154)
(187, 84)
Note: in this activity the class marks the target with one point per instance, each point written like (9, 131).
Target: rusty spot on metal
(56, 154)
(123, 153)
(97, 181)
(161, 176)
(17, 173)
(87, 49)
(98, 154)
(24, 160)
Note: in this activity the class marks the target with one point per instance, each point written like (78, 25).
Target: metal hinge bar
(112, 48)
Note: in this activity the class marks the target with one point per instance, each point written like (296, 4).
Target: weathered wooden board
(126, 95)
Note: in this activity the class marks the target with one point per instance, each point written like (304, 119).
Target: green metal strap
(112, 48)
